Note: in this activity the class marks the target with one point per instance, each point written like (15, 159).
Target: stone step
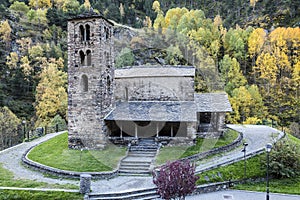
(139, 148)
(139, 151)
(139, 168)
(131, 161)
(138, 194)
(134, 171)
(141, 154)
(134, 164)
(156, 196)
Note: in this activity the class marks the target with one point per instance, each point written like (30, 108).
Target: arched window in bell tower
(88, 58)
(84, 83)
(82, 57)
(81, 30)
(88, 32)
(108, 84)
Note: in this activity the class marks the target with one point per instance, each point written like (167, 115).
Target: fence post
(85, 183)
(56, 127)
(45, 130)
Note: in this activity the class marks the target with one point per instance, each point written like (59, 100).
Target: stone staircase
(139, 158)
(144, 194)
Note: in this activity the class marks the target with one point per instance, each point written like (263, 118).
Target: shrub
(125, 58)
(62, 125)
(284, 159)
(295, 129)
(175, 179)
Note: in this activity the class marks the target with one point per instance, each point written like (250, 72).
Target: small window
(107, 33)
(88, 32)
(89, 57)
(82, 57)
(81, 28)
(108, 84)
(84, 83)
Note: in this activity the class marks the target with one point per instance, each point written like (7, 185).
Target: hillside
(250, 49)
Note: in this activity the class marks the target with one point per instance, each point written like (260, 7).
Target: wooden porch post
(121, 131)
(157, 132)
(136, 131)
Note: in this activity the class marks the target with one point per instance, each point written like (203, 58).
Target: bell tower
(90, 79)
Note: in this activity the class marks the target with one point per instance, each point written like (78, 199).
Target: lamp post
(268, 149)
(24, 129)
(244, 150)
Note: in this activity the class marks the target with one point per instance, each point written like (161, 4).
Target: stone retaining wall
(212, 187)
(64, 173)
(249, 155)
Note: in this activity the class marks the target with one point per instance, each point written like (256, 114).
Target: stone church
(150, 101)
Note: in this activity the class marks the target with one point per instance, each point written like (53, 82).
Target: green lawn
(33, 195)
(55, 153)
(235, 171)
(176, 152)
(7, 180)
(286, 186)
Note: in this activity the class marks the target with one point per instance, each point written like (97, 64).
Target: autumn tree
(40, 3)
(231, 74)
(256, 42)
(247, 103)
(9, 123)
(51, 96)
(5, 33)
(12, 60)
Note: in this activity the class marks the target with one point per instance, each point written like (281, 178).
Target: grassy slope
(7, 180)
(255, 168)
(55, 153)
(202, 145)
(30, 195)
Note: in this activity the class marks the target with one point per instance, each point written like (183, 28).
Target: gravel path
(244, 195)
(255, 136)
(11, 160)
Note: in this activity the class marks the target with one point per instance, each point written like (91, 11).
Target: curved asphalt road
(255, 136)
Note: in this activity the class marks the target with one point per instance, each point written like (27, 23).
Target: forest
(250, 49)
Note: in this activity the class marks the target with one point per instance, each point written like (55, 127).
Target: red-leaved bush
(175, 180)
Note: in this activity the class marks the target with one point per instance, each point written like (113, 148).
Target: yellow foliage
(5, 31)
(51, 96)
(156, 6)
(252, 120)
(12, 60)
(256, 41)
(218, 20)
(40, 3)
(25, 44)
(25, 66)
(266, 67)
(87, 4)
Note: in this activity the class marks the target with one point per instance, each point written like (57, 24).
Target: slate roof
(213, 102)
(89, 14)
(172, 111)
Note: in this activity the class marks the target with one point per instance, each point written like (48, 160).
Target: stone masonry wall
(155, 84)
(90, 79)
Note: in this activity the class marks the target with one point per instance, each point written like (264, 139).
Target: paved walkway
(255, 136)
(241, 195)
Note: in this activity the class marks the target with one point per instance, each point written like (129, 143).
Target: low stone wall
(249, 155)
(222, 149)
(212, 187)
(64, 173)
